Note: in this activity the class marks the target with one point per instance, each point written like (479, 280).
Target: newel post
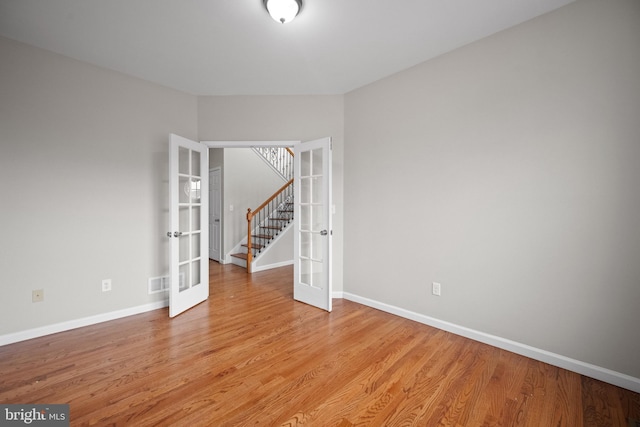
(249, 249)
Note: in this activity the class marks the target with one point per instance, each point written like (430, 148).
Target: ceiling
(233, 47)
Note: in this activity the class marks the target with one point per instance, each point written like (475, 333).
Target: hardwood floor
(250, 355)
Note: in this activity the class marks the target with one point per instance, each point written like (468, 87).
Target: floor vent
(161, 284)
(158, 284)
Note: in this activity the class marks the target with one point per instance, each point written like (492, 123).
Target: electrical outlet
(37, 295)
(106, 285)
(435, 288)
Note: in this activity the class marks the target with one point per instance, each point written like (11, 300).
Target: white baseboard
(583, 368)
(257, 268)
(78, 323)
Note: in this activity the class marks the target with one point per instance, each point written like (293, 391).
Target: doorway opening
(245, 180)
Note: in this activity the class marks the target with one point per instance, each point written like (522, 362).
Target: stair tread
(254, 246)
(280, 219)
(262, 236)
(271, 227)
(241, 256)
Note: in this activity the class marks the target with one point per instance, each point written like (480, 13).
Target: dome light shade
(283, 11)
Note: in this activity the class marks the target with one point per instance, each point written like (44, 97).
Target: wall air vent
(161, 284)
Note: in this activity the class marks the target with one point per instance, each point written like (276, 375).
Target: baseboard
(78, 323)
(257, 268)
(583, 368)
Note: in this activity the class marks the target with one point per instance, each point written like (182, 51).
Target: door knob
(177, 234)
(323, 233)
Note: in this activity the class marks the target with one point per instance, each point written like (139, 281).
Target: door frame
(263, 143)
(249, 144)
(244, 144)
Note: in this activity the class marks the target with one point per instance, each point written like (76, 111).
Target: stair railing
(268, 219)
(279, 158)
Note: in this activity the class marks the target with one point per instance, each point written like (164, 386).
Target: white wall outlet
(435, 288)
(37, 295)
(106, 285)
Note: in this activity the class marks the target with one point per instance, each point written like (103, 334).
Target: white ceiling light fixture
(283, 11)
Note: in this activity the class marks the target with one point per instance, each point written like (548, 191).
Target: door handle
(323, 233)
(177, 234)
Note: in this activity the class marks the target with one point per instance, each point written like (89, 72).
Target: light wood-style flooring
(250, 355)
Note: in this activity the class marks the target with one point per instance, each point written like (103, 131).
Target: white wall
(283, 118)
(278, 254)
(508, 171)
(83, 181)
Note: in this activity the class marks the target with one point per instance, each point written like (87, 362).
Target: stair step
(271, 227)
(286, 210)
(280, 219)
(254, 246)
(241, 256)
(262, 236)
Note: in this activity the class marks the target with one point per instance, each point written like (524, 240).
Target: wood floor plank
(365, 396)
(250, 355)
(601, 407)
(504, 385)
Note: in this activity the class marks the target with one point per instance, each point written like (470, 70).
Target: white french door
(188, 217)
(312, 218)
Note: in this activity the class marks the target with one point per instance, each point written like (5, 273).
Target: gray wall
(508, 171)
(83, 179)
(283, 118)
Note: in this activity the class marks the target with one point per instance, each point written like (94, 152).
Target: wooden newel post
(249, 250)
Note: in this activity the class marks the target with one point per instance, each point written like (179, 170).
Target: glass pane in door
(190, 197)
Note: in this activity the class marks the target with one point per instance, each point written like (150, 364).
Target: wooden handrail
(289, 150)
(259, 208)
(250, 216)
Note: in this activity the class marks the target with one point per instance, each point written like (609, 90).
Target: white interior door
(312, 218)
(215, 210)
(188, 216)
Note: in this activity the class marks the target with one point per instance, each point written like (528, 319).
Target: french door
(188, 217)
(312, 218)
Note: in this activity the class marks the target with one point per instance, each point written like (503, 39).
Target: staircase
(280, 159)
(273, 216)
